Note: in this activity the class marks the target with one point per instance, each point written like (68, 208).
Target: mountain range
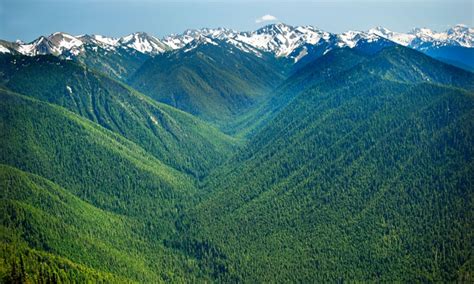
(293, 42)
(287, 154)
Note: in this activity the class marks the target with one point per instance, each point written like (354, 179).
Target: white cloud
(266, 18)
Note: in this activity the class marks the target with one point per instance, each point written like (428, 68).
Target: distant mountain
(280, 39)
(116, 57)
(423, 38)
(177, 41)
(454, 46)
(62, 43)
(292, 42)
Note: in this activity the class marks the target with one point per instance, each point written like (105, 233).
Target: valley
(286, 154)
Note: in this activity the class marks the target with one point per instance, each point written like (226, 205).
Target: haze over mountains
(287, 154)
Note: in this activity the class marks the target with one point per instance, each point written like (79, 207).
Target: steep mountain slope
(118, 58)
(40, 216)
(458, 56)
(208, 78)
(361, 177)
(131, 196)
(394, 63)
(418, 67)
(50, 235)
(118, 63)
(21, 264)
(407, 65)
(76, 154)
(318, 70)
(173, 137)
(75, 195)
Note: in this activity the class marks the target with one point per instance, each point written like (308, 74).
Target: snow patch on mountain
(301, 54)
(175, 41)
(244, 47)
(106, 40)
(143, 43)
(202, 40)
(4, 49)
(400, 38)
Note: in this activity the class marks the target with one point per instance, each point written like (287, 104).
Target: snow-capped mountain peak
(55, 43)
(349, 38)
(274, 29)
(281, 40)
(143, 43)
(60, 43)
(95, 41)
(174, 41)
(400, 38)
(199, 41)
(178, 41)
(426, 34)
(462, 34)
(109, 41)
(220, 33)
(4, 49)
(422, 38)
(381, 31)
(459, 28)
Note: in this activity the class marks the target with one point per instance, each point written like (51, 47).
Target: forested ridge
(353, 167)
(215, 83)
(174, 137)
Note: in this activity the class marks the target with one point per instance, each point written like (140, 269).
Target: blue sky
(27, 19)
